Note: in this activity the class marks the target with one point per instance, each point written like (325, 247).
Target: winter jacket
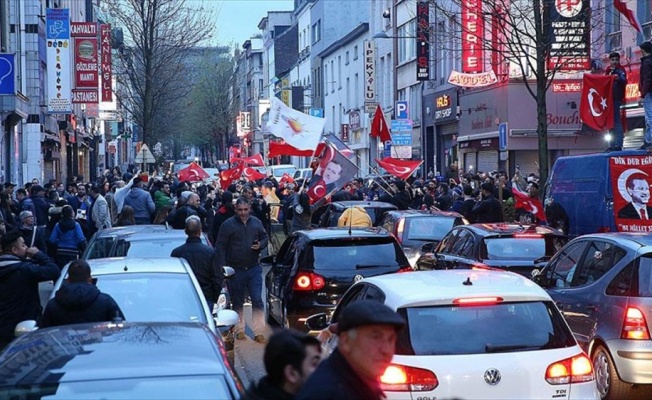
(141, 201)
(204, 264)
(19, 295)
(234, 241)
(100, 216)
(161, 199)
(335, 379)
(620, 83)
(41, 208)
(488, 210)
(27, 204)
(645, 82)
(177, 219)
(68, 234)
(265, 390)
(40, 241)
(355, 216)
(77, 303)
(223, 213)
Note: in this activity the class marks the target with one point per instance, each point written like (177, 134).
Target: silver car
(602, 283)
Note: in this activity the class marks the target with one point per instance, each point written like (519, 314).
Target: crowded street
(325, 199)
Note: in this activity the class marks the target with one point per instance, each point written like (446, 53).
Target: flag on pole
(341, 146)
(192, 173)
(283, 149)
(529, 204)
(230, 175)
(596, 101)
(299, 130)
(628, 14)
(255, 160)
(333, 172)
(379, 126)
(286, 178)
(253, 175)
(399, 168)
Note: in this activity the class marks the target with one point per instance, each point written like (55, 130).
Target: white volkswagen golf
(474, 335)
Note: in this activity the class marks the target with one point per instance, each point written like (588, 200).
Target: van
(593, 190)
(277, 171)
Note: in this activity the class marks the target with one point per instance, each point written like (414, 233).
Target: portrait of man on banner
(332, 173)
(631, 179)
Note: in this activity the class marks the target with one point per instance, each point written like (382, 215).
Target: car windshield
(154, 297)
(502, 327)
(169, 387)
(357, 254)
(428, 228)
(510, 248)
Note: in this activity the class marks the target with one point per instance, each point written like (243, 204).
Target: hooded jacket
(355, 216)
(19, 296)
(67, 234)
(141, 201)
(76, 303)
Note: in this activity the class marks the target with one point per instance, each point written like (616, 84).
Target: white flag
(299, 130)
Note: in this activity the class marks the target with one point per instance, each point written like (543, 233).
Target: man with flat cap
(367, 332)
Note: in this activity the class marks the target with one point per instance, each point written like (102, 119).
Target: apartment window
(407, 45)
(339, 72)
(389, 66)
(380, 79)
(441, 48)
(332, 76)
(402, 94)
(333, 119)
(415, 103)
(316, 32)
(325, 79)
(346, 58)
(356, 90)
(348, 93)
(612, 25)
(355, 52)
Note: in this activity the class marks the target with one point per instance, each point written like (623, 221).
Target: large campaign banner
(58, 58)
(631, 177)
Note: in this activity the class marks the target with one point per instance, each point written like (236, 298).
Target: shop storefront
(447, 128)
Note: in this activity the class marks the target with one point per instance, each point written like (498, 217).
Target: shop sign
(354, 120)
(570, 86)
(472, 80)
(345, 132)
(423, 41)
(569, 35)
(472, 36)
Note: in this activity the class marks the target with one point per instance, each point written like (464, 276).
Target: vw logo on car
(357, 278)
(492, 376)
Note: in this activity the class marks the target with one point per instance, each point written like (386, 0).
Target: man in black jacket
(239, 243)
(488, 209)
(367, 331)
(191, 207)
(203, 261)
(19, 279)
(79, 301)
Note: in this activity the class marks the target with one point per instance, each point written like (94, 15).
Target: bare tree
(522, 39)
(150, 65)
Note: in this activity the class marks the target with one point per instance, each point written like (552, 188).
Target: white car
(474, 335)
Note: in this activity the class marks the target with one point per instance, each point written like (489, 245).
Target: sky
(238, 19)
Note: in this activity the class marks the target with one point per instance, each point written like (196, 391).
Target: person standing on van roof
(645, 87)
(616, 142)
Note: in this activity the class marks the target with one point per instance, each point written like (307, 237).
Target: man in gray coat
(142, 203)
(99, 215)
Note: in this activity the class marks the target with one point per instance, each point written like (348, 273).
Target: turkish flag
(379, 126)
(192, 173)
(399, 168)
(286, 178)
(253, 175)
(256, 160)
(529, 204)
(596, 101)
(230, 175)
(629, 14)
(283, 149)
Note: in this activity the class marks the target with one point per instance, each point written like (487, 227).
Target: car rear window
(635, 280)
(428, 228)
(154, 297)
(502, 327)
(357, 254)
(99, 248)
(509, 248)
(149, 248)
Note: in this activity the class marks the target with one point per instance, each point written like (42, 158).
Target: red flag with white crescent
(252, 175)
(379, 126)
(596, 101)
(286, 178)
(529, 204)
(399, 168)
(255, 160)
(192, 173)
(230, 175)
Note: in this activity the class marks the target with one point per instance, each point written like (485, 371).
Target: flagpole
(314, 152)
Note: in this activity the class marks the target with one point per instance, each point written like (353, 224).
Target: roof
(110, 351)
(508, 229)
(435, 287)
(125, 230)
(345, 232)
(106, 266)
(419, 213)
(156, 235)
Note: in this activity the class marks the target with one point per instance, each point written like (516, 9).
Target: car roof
(88, 352)
(343, 232)
(498, 229)
(421, 213)
(439, 287)
(158, 235)
(363, 203)
(126, 230)
(640, 238)
(118, 265)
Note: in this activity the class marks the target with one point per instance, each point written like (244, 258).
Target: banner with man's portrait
(631, 177)
(333, 172)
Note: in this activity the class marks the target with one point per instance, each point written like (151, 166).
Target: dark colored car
(512, 247)
(414, 228)
(602, 283)
(118, 361)
(328, 215)
(314, 268)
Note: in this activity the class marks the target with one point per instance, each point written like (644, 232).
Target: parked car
(124, 360)
(602, 283)
(511, 247)
(414, 228)
(138, 240)
(314, 268)
(303, 173)
(473, 335)
(328, 215)
(277, 171)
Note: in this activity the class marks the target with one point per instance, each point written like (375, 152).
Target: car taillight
(401, 378)
(635, 325)
(477, 301)
(306, 281)
(399, 230)
(571, 370)
(405, 269)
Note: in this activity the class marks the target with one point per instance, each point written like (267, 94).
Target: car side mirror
(228, 271)
(227, 318)
(317, 322)
(25, 327)
(268, 260)
(428, 248)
